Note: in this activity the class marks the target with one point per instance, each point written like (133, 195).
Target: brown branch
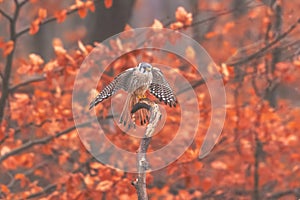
(142, 163)
(26, 173)
(6, 15)
(47, 190)
(9, 62)
(52, 187)
(28, 81)
(281, 194)
(3, 139)
(266, 48)
(44, 140)
(47, 21)
(23, 3)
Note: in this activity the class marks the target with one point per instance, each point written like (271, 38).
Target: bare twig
(142, 164)
(3, 139)
(9, 62)
(1, 75)
(52, 187)
(23, 3)
(28, 81)
(26, 173)
(266, 48)
(44, 140)
(281, 194)
(5, 15)
(47, 21)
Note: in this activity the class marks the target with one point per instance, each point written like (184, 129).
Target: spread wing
(120, 82)
(161, 89)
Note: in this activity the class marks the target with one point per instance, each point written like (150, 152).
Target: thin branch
(23, 3)
(16, 3)
(26, 173)
(9, 62)
(47, 190)
(284, 193)
(5, 15)
(52, 187)
(267, 47)
(28, 81)
(44, 140)
(4, 139)
(142, 163)
(47, 21)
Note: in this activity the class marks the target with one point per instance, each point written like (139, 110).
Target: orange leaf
(90, 5)
(36, 59)
(19, 176)
(82, 48)
(210, 34)
(176, 25)
(108, 3)
(42, 14)
(183, 16)
(4, 188)
(104, 186)
(60, 15)
(34, 27)
(8, 48)
(82, 12)
(190, 52)
(206, 184)
(128, 32)
(81, 8)
(157, 24)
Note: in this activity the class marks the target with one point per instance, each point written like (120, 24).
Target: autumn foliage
(255, 46)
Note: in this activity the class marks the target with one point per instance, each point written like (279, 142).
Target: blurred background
(255, 45)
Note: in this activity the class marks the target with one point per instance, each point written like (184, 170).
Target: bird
(136, 81)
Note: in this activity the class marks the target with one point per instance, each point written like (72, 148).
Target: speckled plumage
(136, 81)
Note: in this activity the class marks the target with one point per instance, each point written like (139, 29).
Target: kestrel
(136, 81)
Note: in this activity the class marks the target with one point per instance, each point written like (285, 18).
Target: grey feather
(120, 82)
(161, 89)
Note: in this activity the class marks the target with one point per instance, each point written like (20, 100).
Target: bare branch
(8, 65)
(23, 3)
(5, 15)
(267, 47)
(142, 164)
(281, 194)
(28, 81)
(47, 21)
(52, 187)
(44, 140)
(26, 173)
(3, 139)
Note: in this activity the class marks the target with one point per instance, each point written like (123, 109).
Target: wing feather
(161, 89)
(120, 82)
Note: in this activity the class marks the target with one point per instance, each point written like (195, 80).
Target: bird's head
(144, 67)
